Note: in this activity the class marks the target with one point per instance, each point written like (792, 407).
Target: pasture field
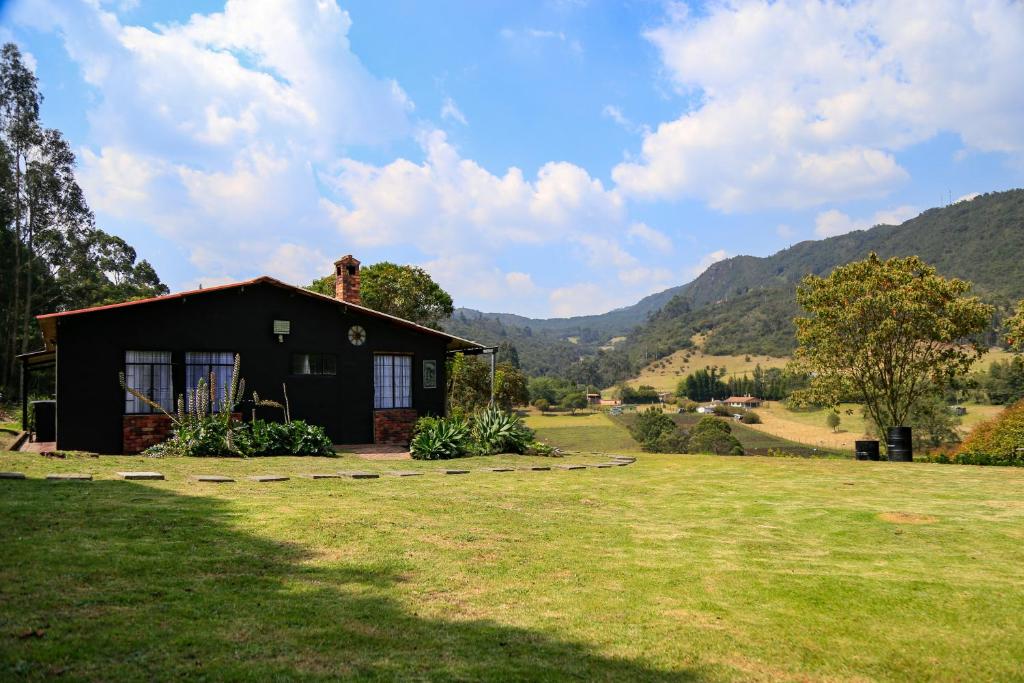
(664, 374)
(675, 568)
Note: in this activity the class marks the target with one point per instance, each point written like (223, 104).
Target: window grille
(314, 364)
(392, 381)
(149, 373)
(199, 365)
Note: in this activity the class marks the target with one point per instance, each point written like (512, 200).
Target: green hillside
(746, 304)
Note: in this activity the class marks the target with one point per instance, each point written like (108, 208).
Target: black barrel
(46, 420)
(899, 444)
(867, 450)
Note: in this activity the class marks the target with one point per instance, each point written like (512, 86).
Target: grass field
(587, 433)
(664, 374)
(809, 427)
(676, 568)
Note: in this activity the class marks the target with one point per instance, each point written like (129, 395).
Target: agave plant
(440, 438)
(497, 431)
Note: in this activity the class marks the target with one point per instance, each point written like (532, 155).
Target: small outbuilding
(363, 375)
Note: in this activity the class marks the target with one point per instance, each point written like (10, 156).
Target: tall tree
(52, 256)
(888, 332)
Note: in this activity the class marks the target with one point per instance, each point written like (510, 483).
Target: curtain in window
(149, 373)
(200, 364)
(392, 381)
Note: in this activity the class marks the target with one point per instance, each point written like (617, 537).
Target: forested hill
(980, 240)
(746, 304)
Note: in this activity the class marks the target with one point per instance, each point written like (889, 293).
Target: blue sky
(551, 158)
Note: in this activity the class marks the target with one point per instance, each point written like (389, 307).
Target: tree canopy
(888, 332)
(404, 291)
(52, 256)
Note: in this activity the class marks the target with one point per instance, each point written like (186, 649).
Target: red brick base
(139, 432)
(393, 427)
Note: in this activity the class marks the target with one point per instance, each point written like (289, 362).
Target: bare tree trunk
(30, 257)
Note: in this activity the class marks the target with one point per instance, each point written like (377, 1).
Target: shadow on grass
(114, 581)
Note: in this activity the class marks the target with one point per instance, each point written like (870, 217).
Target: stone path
(140, 476)
(616, 461)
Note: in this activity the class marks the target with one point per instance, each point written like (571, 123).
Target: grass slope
(674, 568)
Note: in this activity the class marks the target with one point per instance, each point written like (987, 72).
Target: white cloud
(706, 261)
(967, 197)
(615, 114)
(210, 131)
(653, 238)
(834, 222)
(785, 231)
(450, 110)
(798, 104)
(449, 202)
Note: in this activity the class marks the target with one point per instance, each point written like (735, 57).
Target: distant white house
(743, 402)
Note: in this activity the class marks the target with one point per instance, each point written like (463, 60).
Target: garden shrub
(307, 439)
(440, 438)
(711, 435)
(208, 436)
(656, 432)
(996, 441)
(497, 431)
(751, 418)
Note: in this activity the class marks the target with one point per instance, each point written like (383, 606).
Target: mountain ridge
(746, 303)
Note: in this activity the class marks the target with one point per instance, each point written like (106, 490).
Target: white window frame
(392, 381)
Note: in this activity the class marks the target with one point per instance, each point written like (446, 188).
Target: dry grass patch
(907, 518)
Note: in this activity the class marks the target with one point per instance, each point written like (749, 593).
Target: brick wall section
(394, 427)
(139, 432)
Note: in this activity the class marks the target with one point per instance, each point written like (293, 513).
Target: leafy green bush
(656, 432)
(750, 418)
(201, 437)
(438, 438)
(711, 435)
(999, 441)
(307, 439)
(209, 436)
(496, 431)
(267, 438)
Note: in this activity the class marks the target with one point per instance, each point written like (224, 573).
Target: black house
(363, 375)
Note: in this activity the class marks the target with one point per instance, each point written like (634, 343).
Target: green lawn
(586, 433)
(673, 568)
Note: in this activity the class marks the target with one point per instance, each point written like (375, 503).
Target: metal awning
(35, 360)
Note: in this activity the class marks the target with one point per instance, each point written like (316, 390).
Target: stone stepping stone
(214, 478)
(536, 468)
(12, 475)
(499, 469)
(603, 465)
(455, 471)
(360, 475)
(321, 475)
(140, 476)
(69, 477)
(571, 467)
(404, 473)
(268, 477)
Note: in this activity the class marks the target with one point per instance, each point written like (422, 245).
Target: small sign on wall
(430, 374)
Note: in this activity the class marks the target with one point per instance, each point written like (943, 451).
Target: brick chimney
(346, 280)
